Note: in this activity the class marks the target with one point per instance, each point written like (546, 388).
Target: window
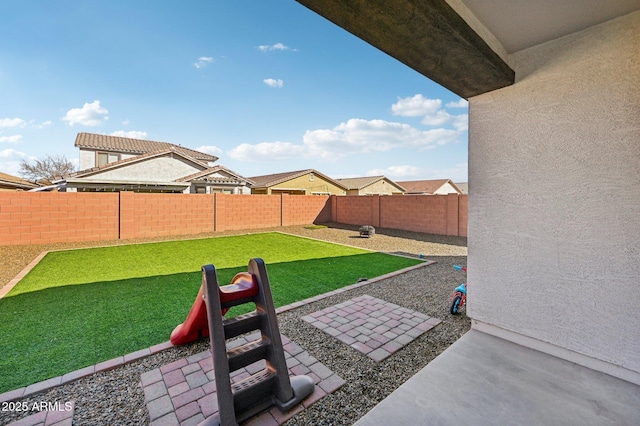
(311, 176)
(106, 158)
(221, 191)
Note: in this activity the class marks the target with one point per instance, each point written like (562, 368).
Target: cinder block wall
(357, 210)
(40, 218)
(305, 209)
(463, 215)
(153, 215)
(246, 211)
(431, 214)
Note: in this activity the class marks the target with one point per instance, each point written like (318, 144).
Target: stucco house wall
(162, 169)
(87, 159)
(309, 184)
(381, 187)
(447, 188)
(555, 261)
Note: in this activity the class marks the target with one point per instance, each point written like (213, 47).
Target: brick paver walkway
(372, 326)
(183, 392)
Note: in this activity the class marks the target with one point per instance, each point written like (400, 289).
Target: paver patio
(372, 326)
(183, 392)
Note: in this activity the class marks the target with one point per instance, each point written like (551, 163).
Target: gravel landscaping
(115, 397)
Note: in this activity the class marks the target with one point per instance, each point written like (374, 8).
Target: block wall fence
(431, 214)
(50, 217)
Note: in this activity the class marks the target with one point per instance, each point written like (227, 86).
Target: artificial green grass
(81, 307)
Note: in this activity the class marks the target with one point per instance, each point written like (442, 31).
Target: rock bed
(115, 397)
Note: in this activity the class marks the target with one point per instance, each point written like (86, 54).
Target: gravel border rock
(115, 397)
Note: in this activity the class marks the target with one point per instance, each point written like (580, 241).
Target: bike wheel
(455, 305)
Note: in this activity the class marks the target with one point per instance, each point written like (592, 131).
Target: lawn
(81, 307)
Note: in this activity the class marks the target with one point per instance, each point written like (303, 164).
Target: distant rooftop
(362, 182)
(135, 146)
(274, 179)
(424, 186)
(16, 182)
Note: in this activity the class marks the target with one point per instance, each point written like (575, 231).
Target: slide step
(254, 394)
(243, 286)
(248, 354)
(242, 324)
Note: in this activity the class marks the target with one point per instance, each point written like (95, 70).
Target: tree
(47, 168)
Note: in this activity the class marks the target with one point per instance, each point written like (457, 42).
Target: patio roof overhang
(115, 185)
(432, 39)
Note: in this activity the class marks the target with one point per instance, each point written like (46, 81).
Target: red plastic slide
(196, 325)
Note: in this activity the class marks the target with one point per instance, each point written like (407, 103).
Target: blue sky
(267, 86)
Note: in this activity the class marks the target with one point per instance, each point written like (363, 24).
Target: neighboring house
(464, 187)
(98, 150)
(166, 168)
(372, 185)
(430, 187)
(14, 183)
(301, 182)
(217, 179)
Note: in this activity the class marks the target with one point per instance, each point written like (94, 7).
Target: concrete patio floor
(484, 380)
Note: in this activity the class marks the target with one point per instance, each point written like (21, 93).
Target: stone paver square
(180, 393)
(382, 328)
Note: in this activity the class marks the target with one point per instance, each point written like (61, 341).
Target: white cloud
(356, 136)
(91, 114)
(268, 151)
(210, 149)
(277, 46)
(76, 162)
(125, 122)
(10, 160)
(361, 136)
(10, 139)
(11, 122)
(461, 122)
(416, 106)
(130, 134)
(458, 173)
(203, 61)
(273, 83)
(431, 111)
(438, 118)
(459, 104)
(405, 172)
(32, 123)
(12, 153)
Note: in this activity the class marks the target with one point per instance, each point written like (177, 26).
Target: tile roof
(134, 146)
(362, 182)
(359, 182)
(17, 182)
(274, 179)
(424, 186)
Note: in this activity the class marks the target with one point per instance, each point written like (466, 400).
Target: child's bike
(460, 296)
